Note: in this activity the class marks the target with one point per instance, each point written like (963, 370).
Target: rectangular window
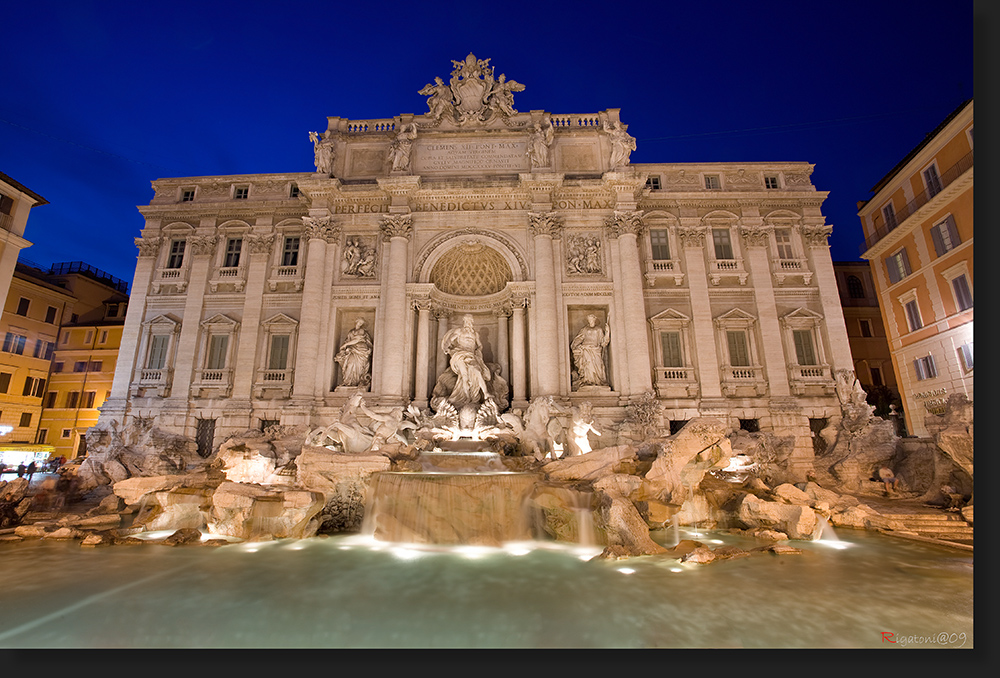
(50, 315)
(294, 192)
(925, 368)
(290, 254)
(187, 195)
(783, 238)
(89, 398)
(25, 419)
(14, 343)
(660, 244)
(739, 356)
(866, 327)
(104, 337)
(278, 359)
(945, 236)
(671, 342)
(96, 366)
(217, 345)
(29, 384)
(80, 366)
(889, 212)
(50, 399)
(89, 337)
(22, 306)
(963, 293)
(876, 373)
(39, 347)
(112, 311)
(898, 266)
(241, 192)
(158, 351)
(965, 353)
(771, 182)
(712, 181)
(66, 433)
(804, 353)
(58, 367)
(176, 257)
(653, 183)
(723, 245)
(4, 381)
(233, 247)
(6, 204)
(43, 433)
(913, 315)
(72, 399)
(932, 180)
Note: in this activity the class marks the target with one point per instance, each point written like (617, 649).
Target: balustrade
(576, 120)
(363, 126)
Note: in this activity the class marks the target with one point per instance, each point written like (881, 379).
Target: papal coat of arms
(472, 95)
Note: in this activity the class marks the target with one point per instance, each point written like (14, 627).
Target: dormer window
(241, 192)
(771, 182)
(712, 182)
(187, 195)
(653, 183)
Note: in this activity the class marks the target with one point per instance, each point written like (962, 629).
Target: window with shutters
(932, 181)
(897, 265)
(925, 368)
(739, 352)
(804, 352)
(944, 235)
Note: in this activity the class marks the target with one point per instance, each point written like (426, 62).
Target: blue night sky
(100, 98)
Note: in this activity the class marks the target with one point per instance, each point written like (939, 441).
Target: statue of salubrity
(354, 357)
(588, 348)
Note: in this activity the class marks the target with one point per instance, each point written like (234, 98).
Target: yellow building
(16, 201)
(918, 229)
(83, 363)
(29, 328)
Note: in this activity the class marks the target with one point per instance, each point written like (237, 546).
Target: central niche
(471, 269)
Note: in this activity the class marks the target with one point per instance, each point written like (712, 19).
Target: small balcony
(663, 268)
(807, 380)
(675, 382)
(785, 268)
(213, 383)
(273, 384)
(726, 268)
(286, 276)
(743, 381)
(175, 278)
(229, 276)
(152, 381)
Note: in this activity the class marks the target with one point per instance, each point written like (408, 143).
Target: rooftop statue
(622, 144)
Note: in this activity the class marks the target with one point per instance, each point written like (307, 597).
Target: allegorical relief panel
(359, 257)
(583, 255)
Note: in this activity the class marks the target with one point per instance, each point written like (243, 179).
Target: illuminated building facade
(918, 229)
(712, 282)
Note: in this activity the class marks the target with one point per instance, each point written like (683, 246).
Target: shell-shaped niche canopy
(471, 269)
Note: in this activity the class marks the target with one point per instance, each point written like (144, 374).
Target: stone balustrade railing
(576, 120)
(366, 126)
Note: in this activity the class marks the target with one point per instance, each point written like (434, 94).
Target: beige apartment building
(275, 297)
(16, 201)
(918, 228)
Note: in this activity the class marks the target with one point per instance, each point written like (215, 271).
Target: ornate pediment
(473, 96)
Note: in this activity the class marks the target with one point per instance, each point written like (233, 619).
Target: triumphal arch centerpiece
(476, 253)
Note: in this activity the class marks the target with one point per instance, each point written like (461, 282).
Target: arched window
(854, 287)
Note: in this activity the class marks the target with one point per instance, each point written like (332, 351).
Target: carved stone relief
(583, 255)
(359, 257)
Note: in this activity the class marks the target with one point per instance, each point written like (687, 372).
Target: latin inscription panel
(471, 156)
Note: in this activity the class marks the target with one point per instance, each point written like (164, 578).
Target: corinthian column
(396, 229)
(318, 230)
(422, 366)
(544, 228)
(626, 227)
(692, 238)
(518, 368)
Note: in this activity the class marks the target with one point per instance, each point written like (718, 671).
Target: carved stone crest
(473, 95)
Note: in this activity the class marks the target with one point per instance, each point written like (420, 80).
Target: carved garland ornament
(203, 244)
(396, 225)
(691, 237)
(259, 244)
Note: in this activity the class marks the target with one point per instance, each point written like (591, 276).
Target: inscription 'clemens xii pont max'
(462, 156)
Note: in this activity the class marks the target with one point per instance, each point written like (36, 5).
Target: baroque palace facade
(260, 299)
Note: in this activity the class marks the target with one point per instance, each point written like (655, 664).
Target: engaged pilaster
(692, 239)
(755, 242)
(816, 236)
(319, 229)
(545, 227)
(625, 227)
(396, 229)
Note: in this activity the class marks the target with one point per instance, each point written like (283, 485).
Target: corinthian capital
(393, 225)
(202, 244)
(148, 247)
(321, 227)
(259, 244)
(691, 237)
(755, 237)
(545, 223)
(816, 236)
(621, 223)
